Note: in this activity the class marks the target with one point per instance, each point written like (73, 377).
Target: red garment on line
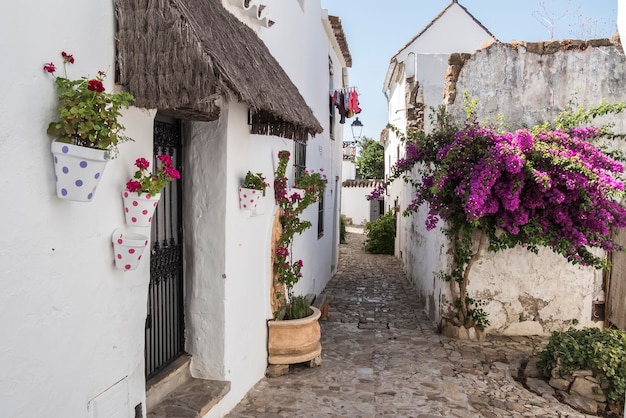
(354, 101)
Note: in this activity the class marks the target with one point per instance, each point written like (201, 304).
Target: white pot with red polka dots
(138, 209)
(78, 170)
(128, 249)
(249, 198)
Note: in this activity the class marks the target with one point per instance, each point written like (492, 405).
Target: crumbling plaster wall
(528, 83)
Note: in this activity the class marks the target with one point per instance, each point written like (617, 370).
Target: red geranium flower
(67, 57)
(95, 85)
(166, 160)
(142, 163)
(171, 172)
(49, 67)
(133, 185)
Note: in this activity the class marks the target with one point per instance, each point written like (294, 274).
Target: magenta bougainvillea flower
(539, 187)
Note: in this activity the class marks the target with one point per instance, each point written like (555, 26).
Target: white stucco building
(74, 327)
(415, 81)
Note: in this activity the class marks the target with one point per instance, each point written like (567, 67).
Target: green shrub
(300, 307)
(602, 351)
(381, 234)
(342, 230)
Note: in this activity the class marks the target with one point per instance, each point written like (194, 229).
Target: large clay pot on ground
(294, 341)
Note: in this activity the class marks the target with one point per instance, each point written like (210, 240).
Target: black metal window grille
(320, 217)
(331, 105)
(299, 158)
(165, 320)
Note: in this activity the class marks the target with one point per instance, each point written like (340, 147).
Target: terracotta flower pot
(294, 341)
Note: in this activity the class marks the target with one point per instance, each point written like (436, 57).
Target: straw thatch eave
(188, 56)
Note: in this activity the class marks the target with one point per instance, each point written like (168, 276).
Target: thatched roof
(185, 57)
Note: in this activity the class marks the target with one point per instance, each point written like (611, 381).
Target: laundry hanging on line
(347, 102)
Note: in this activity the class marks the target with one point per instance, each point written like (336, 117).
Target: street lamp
(357, 129)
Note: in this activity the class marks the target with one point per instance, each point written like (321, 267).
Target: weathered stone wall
(529, 83)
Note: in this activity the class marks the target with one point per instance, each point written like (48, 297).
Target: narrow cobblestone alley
(381, 358)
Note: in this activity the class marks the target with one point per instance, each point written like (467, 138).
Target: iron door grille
(165, 320)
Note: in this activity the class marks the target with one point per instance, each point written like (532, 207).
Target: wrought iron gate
(165, 322)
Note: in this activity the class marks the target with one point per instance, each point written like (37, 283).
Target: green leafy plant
(88, 115)
(381, 234)
(313, 183)
(371, 159)
(342, 230)
(255, 181)
(477, 314)
(146, 182)
(299, 307)
(292, 204)
(602, 351)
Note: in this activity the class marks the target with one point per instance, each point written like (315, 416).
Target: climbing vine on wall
(547, 186)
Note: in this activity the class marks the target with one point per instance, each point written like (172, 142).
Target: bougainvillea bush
(547, 186)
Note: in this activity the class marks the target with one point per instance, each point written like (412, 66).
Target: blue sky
(377, 29)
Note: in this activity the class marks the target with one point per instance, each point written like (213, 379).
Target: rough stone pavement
(381, 357)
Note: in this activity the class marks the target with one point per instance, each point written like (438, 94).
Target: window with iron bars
(320, 217)
(299, 158)
(299, 166)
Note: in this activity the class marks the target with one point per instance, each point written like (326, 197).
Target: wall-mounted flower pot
(128, 249)
(78, 170)
(138, 209)
(249, 198)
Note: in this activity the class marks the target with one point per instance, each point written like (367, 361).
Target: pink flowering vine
(539, 187)
(292, 204)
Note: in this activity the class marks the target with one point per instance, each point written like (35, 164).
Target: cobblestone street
(381, 358)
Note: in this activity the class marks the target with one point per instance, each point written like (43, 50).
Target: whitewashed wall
(229, 304)
(425, 58)
(69, 319)
(354, 204)
(528, 294)
(299, 40)
(72, 325)
(423, 253)
(348, 170)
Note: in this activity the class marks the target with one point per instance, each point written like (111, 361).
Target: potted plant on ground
(250, 192)
(86, 131)
(143, 191)
(294, 333)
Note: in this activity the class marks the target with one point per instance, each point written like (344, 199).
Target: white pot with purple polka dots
(128, 249)
(138, 209)
(248, 198)
(78, 170)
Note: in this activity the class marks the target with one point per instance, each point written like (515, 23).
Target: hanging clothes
(341, 106)
(346, 101)
(354, 101)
